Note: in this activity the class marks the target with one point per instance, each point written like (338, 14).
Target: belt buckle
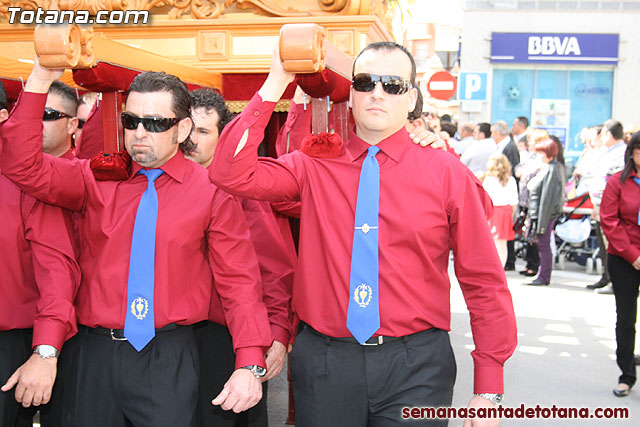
(114, 338)
(380, 341)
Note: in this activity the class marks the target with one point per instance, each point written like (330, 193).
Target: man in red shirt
(276, 257)
(199, 234)
(429, 203)
(38, 280)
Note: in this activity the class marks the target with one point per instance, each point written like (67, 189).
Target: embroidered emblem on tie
(363, 313)
(140, 308)
(139, 323)
(363, 294)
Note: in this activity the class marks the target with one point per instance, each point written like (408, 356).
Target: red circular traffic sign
(442, 85)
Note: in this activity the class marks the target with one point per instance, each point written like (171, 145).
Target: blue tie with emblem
(363, 314)
(637, 180)
(139, 325)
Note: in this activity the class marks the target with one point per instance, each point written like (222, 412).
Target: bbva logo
(548, 45)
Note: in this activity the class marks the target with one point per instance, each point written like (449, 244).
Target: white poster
(553, 115)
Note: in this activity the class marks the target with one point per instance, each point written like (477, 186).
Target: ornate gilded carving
(206, 9)
(210, 9)
(269, 6)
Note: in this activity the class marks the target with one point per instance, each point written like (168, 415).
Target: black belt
(118, 334)
(377, 340)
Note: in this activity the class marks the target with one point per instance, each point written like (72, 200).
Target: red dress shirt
(198, 233)
(39, 275)
(295, 129)
(276, 258)
(429, 203)
(619, 216)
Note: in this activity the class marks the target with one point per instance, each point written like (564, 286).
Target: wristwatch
(495, 398)
(46, 351)
(257, 371)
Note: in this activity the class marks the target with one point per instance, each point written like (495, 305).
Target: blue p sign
(473, 86)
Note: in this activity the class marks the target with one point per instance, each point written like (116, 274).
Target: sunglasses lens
(50, 114)
(150, 124)
(394, 86)
(156, 125)
(363, 82)
(130, 122)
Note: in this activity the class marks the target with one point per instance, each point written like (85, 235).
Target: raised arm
(52, 180)
(236, 166)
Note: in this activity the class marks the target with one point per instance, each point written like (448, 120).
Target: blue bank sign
(554, 48)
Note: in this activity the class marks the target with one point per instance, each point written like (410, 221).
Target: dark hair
(449, 128)
(152, 81)
(68, 95)
(485, 129)
(560, 155)
(446, 118)
(548, 147)
(629, 164)
(211, 100)
(417, 112)
(598, 128)
(523, 121)
(384, 45)
(615, 128)
(4, 103)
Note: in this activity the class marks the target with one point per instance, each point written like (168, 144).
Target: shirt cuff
(630, 257)
(247, 356)
(280, 334)
(488, 379)
(49, 333)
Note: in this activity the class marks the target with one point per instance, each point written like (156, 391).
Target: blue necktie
(363, 315)
(637, 180)
(139, 325)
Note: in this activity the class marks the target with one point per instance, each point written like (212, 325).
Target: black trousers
(15, 349)
(511, 254)
(218, 360)
(108, 383)
(625, 280)
(532, 256)
(602, 246)
(345, 384)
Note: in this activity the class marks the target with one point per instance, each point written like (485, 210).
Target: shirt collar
(503, 143)
(175, 167)
(393, 146)
(616, 146)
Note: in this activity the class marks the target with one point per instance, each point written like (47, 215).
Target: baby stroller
(575, 235)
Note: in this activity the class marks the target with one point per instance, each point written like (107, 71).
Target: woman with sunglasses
(620, 220)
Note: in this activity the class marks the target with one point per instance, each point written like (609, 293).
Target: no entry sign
(442, 85)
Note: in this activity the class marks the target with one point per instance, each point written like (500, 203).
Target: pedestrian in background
(502, 189)
(620, 220)
(546, 197)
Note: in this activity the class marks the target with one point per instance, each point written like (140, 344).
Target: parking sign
(473, 87)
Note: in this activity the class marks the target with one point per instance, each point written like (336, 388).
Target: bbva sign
(553, 45)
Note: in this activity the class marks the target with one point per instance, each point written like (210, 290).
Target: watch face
(46, 351)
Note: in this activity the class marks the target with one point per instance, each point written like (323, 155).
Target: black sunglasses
(81, 123)
(393, 85)
(150, 124)
(50, 115)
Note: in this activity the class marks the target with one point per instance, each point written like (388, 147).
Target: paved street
(565, 354)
